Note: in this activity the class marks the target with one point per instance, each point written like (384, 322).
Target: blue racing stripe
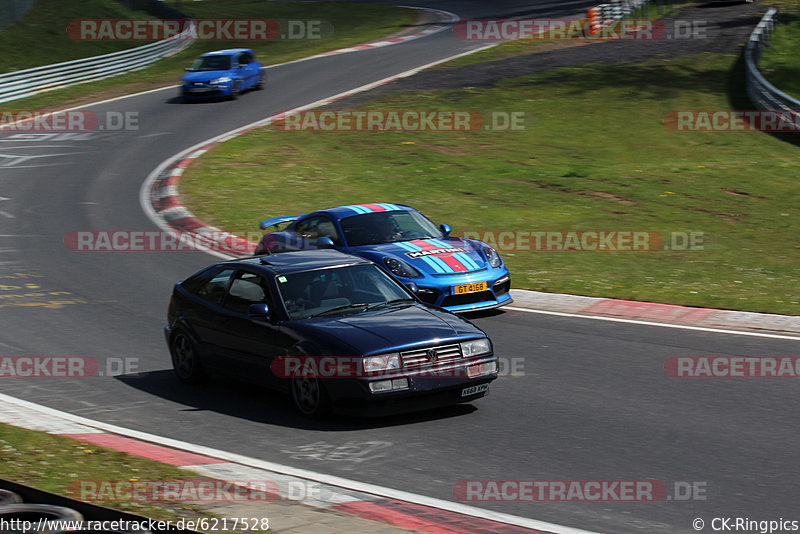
(358, 209)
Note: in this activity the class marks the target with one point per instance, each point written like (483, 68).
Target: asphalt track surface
(593, 401)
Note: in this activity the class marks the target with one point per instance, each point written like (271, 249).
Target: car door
(249, 342)
(208, 318)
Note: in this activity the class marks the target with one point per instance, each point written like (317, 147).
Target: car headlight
(400, 268)
(476, 347)
(218, 81)
(492, 256)
(383, 362)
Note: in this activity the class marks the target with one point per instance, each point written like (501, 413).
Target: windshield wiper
(388, 303)
(340, 308)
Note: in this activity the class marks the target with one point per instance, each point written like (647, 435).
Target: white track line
(651, 323)
(300, 473)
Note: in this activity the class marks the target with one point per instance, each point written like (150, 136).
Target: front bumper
(204, 91)
(429, 387)
(496, 294)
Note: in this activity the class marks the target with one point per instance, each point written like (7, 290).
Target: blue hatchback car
(222, 74)
(460, 275)
(334, 330)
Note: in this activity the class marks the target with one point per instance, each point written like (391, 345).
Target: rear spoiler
(277, 220)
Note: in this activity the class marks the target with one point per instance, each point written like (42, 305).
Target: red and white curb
(398, 508)
(663, 315)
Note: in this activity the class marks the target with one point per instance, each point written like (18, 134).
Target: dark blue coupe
(332, 329)
(460, 275)
(222, 74)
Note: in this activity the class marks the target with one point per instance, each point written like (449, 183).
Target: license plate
(199, 89)
(463, 289)
(472, 390)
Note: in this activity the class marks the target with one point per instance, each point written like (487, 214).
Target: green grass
(595, 155)
(40, 37)
(58, 465)
(351, 23)
(780, 61)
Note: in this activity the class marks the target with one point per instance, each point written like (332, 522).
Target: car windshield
(338, 291)
(387, 227)
(212, 63)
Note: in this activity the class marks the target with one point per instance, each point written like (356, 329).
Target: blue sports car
(460, 275)
(334, 330)
(224, 73)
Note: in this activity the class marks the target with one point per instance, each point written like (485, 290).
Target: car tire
(260, 83)
(185, 359)
(235, 91)
(9, 497)
(310, 397)
(35, 512)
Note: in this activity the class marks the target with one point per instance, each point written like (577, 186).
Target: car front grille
(430, 355)
(467, 298)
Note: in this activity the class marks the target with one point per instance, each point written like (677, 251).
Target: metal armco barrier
(763, 94)
(28, 82)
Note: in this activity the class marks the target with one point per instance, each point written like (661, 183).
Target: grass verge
(58, 465)
(40, 36)
(779, 61)
(593, 156)
(351, 23)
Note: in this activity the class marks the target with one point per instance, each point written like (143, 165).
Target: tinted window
(310, 293)
(246, 289)
(214, 290)
(212, 63)
(316, 227)
(387, 227)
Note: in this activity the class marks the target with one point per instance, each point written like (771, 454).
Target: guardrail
(763, 94)
(28, 82)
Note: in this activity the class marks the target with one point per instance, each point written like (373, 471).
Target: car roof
(305, 260)
(339, 212)
(226, 52)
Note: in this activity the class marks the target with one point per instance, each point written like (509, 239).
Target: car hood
(446, 255)
(205, 75)
(385, 330)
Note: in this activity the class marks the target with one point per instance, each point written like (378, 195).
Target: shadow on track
(254, 403)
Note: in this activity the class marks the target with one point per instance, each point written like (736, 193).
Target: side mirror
(258, 311)
(445, 229)
(414, 288)
(325, 242)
